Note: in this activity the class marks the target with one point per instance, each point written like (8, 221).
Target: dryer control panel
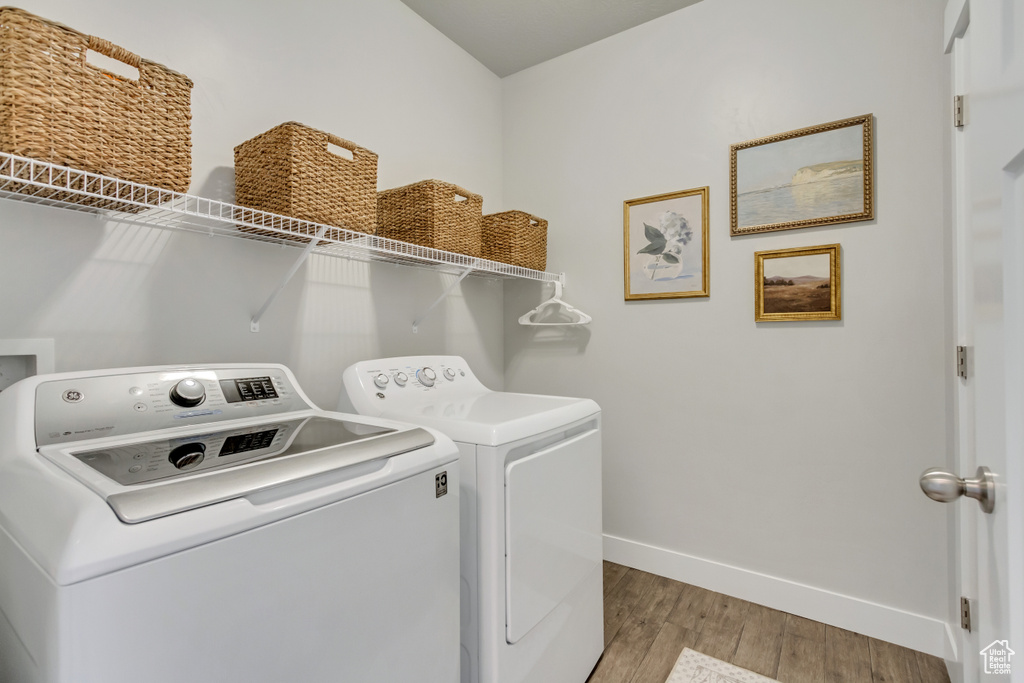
(411, 385)
(89, 407)
(408, 378)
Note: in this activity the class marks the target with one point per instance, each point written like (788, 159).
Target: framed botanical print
(665, 245)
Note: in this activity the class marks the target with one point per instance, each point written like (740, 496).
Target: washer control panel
(109, 405)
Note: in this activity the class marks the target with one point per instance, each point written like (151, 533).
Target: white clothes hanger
(576, 316)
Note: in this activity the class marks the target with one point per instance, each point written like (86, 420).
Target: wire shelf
(38, 182)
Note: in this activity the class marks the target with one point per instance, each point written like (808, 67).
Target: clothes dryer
(209, 523)
(530, 469)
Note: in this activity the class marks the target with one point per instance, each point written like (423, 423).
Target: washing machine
(531, 513)
(210, 523)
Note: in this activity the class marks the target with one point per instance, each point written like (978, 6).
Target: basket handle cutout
(340, 152)
(460, 194)
(112, 60)
(533, 219)
(341, 147)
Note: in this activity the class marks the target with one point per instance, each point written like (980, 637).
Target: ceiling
(507, 36)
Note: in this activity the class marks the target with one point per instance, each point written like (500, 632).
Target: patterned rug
(694, 667)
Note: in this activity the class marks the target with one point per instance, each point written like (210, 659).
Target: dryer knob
(381, 380)
(187, 456)
(401, 378)
(449, 373)
(426, 376)
(188, 392)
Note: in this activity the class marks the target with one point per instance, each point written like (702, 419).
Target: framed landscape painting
(813, 176)
(797, 284)
(666, 245)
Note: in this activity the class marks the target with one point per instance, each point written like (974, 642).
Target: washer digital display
(240, 443)
(248, 389)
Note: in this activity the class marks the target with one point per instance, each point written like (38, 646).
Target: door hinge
(965, 614)
(958, 111)
(961, 362)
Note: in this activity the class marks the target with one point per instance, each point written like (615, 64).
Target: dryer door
(552, 527)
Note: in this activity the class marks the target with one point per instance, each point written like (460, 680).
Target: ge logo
(441, 484)
(73, 396)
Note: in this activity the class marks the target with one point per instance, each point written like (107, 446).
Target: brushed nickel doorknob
(943, 486)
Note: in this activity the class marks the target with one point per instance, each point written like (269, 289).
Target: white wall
(372, 72)
(775, 461)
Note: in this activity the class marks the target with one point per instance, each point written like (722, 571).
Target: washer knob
(426, 376)
(449, 373)
(188, 455)
(381, 380)
(401, 378)
(188, 393)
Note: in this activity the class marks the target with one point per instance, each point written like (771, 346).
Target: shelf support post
(424, 314)
(254, 324)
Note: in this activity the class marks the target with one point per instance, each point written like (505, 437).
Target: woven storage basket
(517, 238)
(432, 213)
(57, 108)
(290, 170)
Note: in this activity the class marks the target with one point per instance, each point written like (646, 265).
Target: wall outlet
(21, 358)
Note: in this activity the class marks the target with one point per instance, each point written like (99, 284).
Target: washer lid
(152, 478)
(490, 418)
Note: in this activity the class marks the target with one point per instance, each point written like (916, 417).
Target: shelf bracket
(424, 314)
(254, 324)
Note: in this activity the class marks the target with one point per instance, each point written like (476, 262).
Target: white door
(989, 217)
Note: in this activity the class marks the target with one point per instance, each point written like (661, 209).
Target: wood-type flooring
(649, 619)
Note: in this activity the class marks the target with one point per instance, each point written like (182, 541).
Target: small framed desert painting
(797, 284)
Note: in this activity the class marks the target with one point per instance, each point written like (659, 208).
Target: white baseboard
(917, 632)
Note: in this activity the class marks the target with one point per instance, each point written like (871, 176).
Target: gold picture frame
(665, 245)
(821, 175)
(791, 284)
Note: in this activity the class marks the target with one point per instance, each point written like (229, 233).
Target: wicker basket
(290, 170)
(432, 213)
(517, 238)
(56, 107)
